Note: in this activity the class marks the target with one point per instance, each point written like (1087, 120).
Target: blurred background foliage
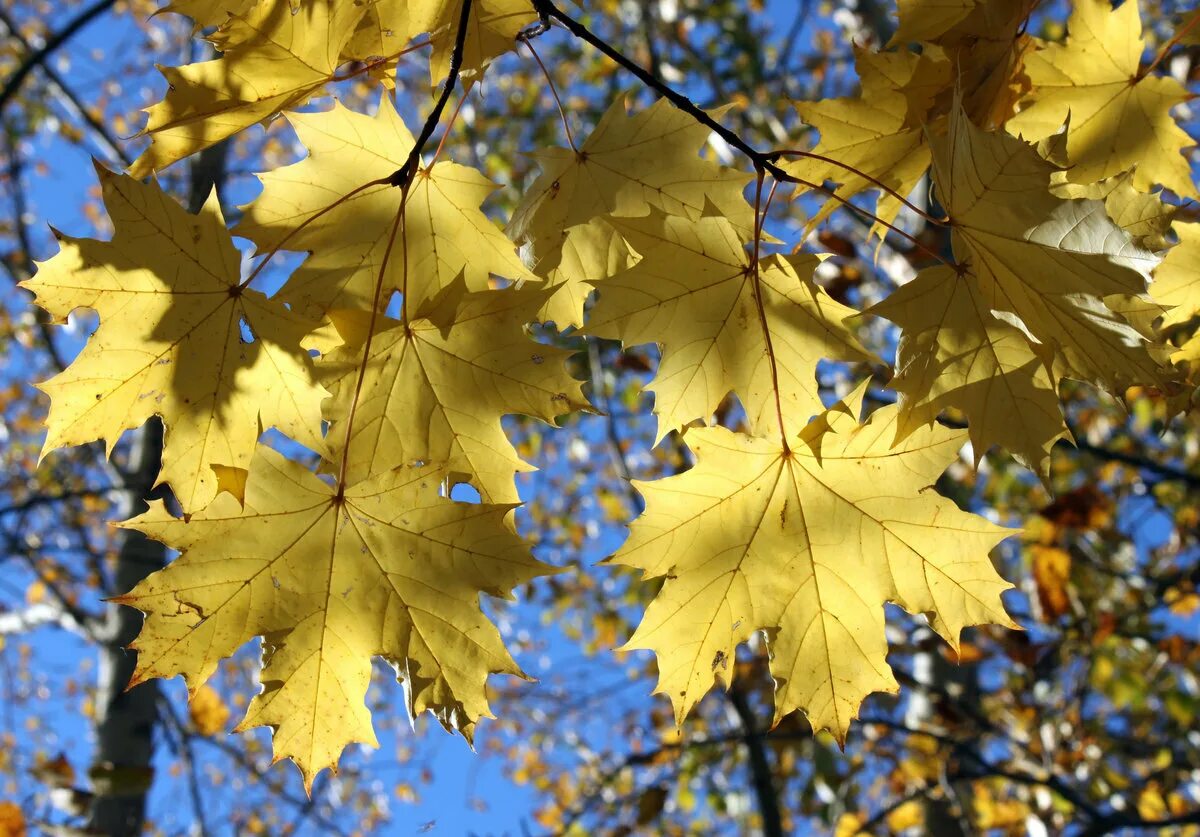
(1083, 723)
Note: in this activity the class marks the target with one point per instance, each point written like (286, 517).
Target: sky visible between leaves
(447, 804)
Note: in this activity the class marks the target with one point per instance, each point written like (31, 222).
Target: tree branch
(761, 775)
(404, 175)
(39, 57)
(107, 139)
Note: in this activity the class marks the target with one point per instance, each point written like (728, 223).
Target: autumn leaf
(435, 388)
(1143, 215)
(445, 237)
(206, 13)
(878, 137)
(1051, 567)
(983, 40)
(491, 30)
(1120, 118)
(928, 20)
(1061, 266)
(1177, 287)
(954, 353)
(761, 537)
(1045, 288)
(273, 59)
(628, 165)
(591, 252)
(12, 820)
(1177, 280)
(330, 578)
(179, 337)
(696, 292)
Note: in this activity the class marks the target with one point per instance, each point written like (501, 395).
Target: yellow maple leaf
(435, 388)
(756, 537)
(1143, 215)
(879, 140)
(983, 40)
(954, 353)
(1061, 266)
(880, 133)
(273, 58)
(330, 578)
(590, 253)
(927, 20)
(628, 165)
(206, 13)
(1176, 286)
(694, 292)
(491, 30)
(178, 338)
(1120, 120)
(445, 237)
(1177, 280)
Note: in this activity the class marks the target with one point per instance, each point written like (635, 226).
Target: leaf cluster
(394, 350)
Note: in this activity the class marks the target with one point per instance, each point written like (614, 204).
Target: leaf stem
(562, 113)
(760, 219)
(367, 66)
(397, 224)
(403, 178)
(382, 181)
(1166, 48)
(437, 152)
(879, 184)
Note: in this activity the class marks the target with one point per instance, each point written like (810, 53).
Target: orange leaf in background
(1052, 572)
(12, 820)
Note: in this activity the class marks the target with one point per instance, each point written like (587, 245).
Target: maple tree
(414, 324)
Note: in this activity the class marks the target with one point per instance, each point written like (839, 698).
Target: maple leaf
(274, 58)
(694, 292)
(330, 578)
(928, 20)
(880, 133)
(435, 388)
(1177, 286)
(445, 237)
(1120, 119)
(807, 543)
(954, 353)
(590, 253)
(170, 342)
(206, 13)
(491, 30)
(1143, 215)
(983, 40)
(628, 165)
(1055, 264)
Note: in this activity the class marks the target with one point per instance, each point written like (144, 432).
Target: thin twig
(1162, 53)
(108, 140)
(32, 61)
